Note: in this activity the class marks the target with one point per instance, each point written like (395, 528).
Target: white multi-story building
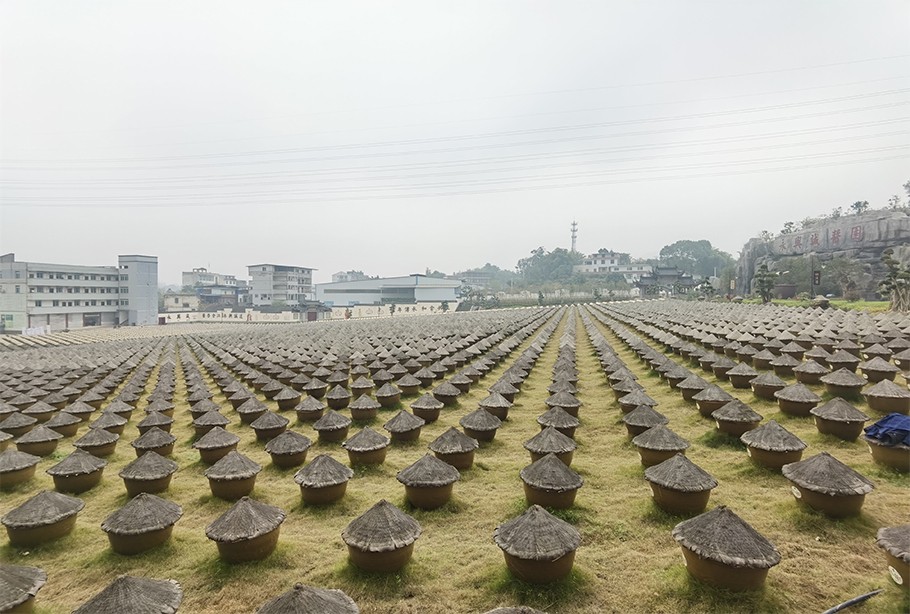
(406, 290)
(271, 283)
(203, 277)
(349, 276)
(68, 296)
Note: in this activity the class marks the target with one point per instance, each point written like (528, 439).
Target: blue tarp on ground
(891, 430)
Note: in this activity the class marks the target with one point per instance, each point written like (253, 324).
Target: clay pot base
(773, 460)
(565, 457)
(391, 401)
(899, 570)
(795, 408)
(334, 436)
(428, 415)
(162, 450)
(540, 572)
(412, 435)
(231, 490)
(285, 461)
(9, 479)
(428, 498)
(373, 457)
(550, 498)
(309, 416)
(40, 535)
(848, 392)
(765, 392)
(706, 408)
(480, 435)
(338, 404)
(254, 549)
(134, 544)
(734, 429)
(323, 495)
(101, 451)
(724, 576)
(78, 483)
(649, 458)
(848, 431)
(897, 458)
(364, 415)
(210, 456)
(808, 378)
(388, 561)
(740, 382)
(834, 506)
(26, 607)
(888, 406)
(269, 434)
(135, 487)
(459, 460)
(679, 502)
(43, 448)
(500, 412)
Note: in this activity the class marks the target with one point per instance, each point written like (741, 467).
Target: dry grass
(628, 562)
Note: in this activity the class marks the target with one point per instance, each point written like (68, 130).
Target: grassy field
(628, 561)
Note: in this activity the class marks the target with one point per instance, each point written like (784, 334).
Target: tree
(392, 308)
(706, 289)
(540, 298)
(699, 258)
(896, 284)
(434, 273)
(788, 228)
(597, 294)
(895, 203)
(764, 283)
(766, 236)
(860, 206)
(846, 273)
(543, 266)
(444, 306)
(837, 212)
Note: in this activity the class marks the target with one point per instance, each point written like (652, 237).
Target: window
(18, 289)
(55, 303)
(37, 303)
(18, 274)
(124, 278)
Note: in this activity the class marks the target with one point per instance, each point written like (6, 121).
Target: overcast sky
(395, 136)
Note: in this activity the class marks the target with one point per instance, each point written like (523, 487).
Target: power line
(506, 133)
(226, 181)
(454, 184)
(476, 146)
(324, 200)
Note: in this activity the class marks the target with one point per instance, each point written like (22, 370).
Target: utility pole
(574, 233)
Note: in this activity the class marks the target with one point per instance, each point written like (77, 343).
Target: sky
(392, 137)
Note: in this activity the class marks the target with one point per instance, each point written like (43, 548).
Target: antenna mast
(574, 233)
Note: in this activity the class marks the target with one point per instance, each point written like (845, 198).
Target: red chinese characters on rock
(813, 240)
(835, 236)
(856, 234)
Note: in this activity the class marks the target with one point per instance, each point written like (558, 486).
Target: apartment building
(69, 296)
(280, 283)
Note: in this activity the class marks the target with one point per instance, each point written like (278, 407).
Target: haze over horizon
(402, 136)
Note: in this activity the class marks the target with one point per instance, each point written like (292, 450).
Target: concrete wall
(227, 316)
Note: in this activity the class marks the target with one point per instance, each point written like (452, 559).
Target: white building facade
(406, 290)
(279, 283)
(68, 296)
